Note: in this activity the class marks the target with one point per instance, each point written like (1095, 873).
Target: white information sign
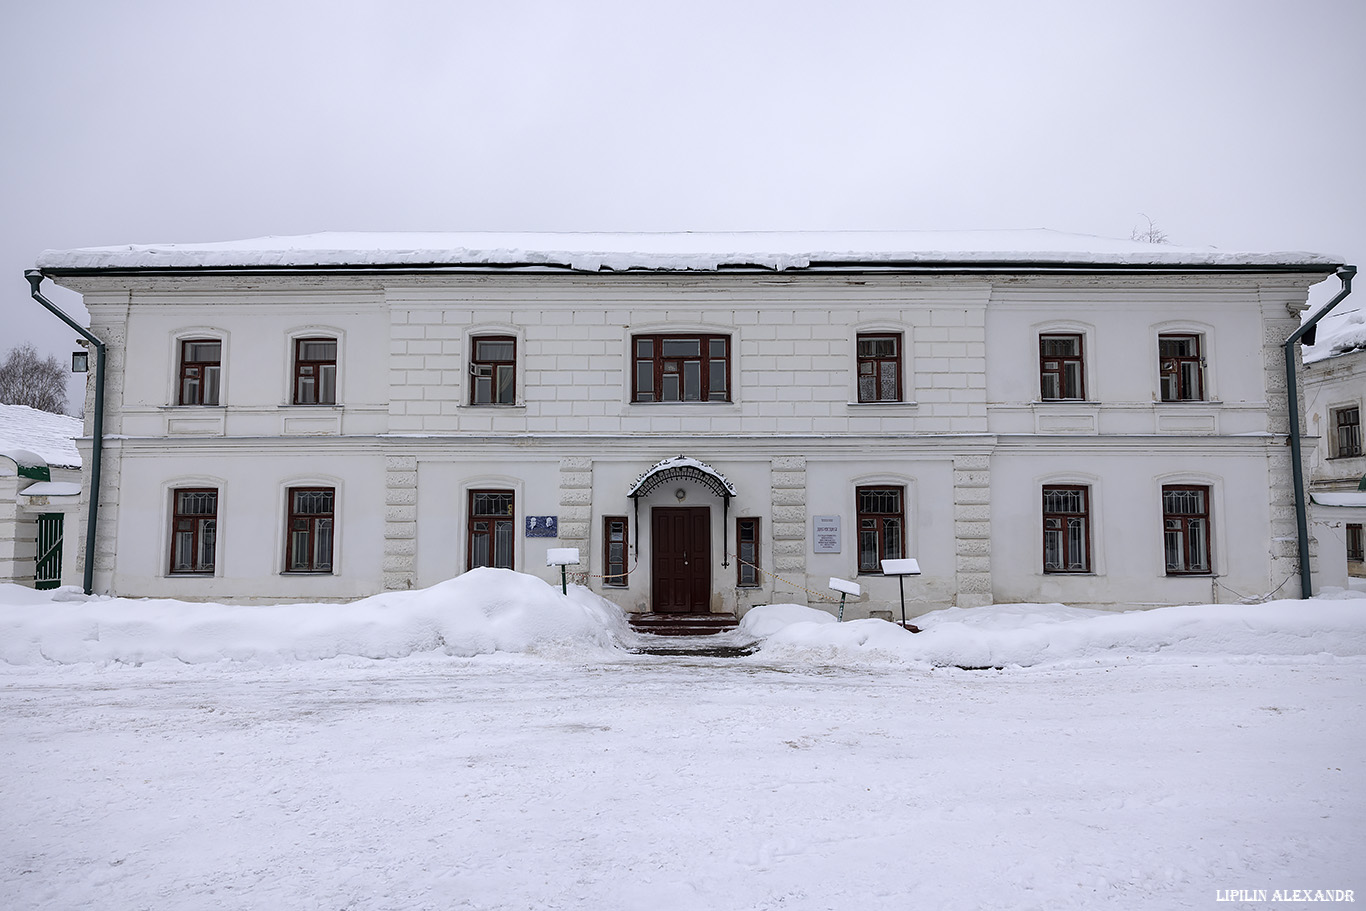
(827, 534)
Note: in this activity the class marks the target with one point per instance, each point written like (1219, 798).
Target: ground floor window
(308, 548)
(1186, 529)
(881, 526)
(1066, 530)
(747, 543)
(194, 534)
(614, 551)
(1356, 547)
(491, 517)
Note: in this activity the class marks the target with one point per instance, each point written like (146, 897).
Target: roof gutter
(35, 278)
(914, 267)
(1345, 274)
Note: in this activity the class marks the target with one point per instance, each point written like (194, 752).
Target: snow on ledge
(669, 251)
(52, 489)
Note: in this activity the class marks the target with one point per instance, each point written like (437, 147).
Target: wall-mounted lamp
(80, 362)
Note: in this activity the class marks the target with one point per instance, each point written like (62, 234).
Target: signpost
(845, 588)
(562, 557)
(901, 569)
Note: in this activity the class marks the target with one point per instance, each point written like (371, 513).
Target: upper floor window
(614, 571)
(490, 521)
(1185, 529)
(309, 534)
(315, 371)
(881, 526)
(194, 530)
(493, 371)
(1066, 530)
(1347, 431)
(1182, 368)
(681, 368)
(747, 542)
(201, 364)
(879, 367)
(1061, 368)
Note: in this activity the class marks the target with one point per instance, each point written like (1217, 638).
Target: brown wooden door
(680, 559)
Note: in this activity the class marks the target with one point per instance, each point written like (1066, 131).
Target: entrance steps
(683, 624)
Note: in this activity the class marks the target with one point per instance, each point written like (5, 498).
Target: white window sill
(883, 404)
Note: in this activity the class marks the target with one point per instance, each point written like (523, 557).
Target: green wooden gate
(49, 570)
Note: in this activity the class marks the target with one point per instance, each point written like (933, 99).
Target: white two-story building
(713, 420)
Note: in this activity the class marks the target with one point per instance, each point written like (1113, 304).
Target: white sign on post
(827, 534)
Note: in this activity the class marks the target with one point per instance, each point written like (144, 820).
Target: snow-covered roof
(1338, 334)
(48, 436)
(669, 251)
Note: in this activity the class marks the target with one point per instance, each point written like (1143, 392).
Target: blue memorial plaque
(542, 526)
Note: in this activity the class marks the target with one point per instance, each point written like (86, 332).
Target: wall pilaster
(972, 529)
(400, 522)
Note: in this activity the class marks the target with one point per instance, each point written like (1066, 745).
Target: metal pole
(35, 278)
(901, 584)
(564, 580)
(840, 618)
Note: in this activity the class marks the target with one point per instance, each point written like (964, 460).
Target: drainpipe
(1345, 274)
(35, 278)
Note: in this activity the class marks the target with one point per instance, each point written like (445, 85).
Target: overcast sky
(1232, 123)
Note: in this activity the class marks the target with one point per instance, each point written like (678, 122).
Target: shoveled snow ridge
(669, 251)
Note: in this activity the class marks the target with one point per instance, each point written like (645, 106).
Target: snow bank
(482, 611)
(1037, 634)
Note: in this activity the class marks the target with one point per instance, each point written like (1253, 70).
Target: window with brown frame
(194, 530)
(881, 526)
(1062, 373)
(681, 368)
(1356, 547)
(493, 370)
(315, 371)
(1346, 432)
(614, 543)
(1182, 368)
(879, 366)
(1066, 530)
(492, 534)
(1186, 529)
(309, 538)
(747, 546)
(201, 364)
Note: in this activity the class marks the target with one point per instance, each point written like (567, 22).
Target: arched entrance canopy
(683, 468)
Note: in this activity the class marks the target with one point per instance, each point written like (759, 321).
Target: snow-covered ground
(490, 744)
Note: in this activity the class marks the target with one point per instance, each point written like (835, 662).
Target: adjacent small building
(714, 420)
(1334, 394)
(40, 485)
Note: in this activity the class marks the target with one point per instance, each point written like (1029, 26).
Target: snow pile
(480, 612)
(26, 432)
(1035, 634)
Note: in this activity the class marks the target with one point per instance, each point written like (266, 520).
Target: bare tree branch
(1149, 235)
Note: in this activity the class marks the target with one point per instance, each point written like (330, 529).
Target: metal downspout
(1345, 274)
(35, 278)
